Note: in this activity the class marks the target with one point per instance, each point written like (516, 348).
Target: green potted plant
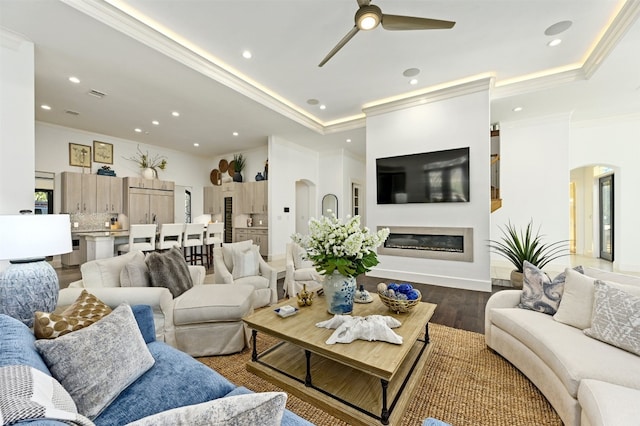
(239, 163)
(520, 245)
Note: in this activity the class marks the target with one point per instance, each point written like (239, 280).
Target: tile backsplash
(90, 221)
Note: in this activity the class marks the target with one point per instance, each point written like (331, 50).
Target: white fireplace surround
(466, 255)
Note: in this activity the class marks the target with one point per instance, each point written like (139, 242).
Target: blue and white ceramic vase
(339, 292)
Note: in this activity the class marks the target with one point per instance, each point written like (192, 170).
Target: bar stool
(192, 238)
(170, 236)
(141, 237)
(213, 238)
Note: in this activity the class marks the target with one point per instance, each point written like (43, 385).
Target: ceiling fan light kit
(368, 17)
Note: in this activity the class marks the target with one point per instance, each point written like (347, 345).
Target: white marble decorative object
(372, 327)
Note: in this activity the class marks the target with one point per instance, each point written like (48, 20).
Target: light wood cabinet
(79, 192)
(108, 194)
(254, 198)
(213, 200)
(260, 238)
(145, 204)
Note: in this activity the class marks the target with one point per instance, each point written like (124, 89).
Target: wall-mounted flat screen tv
(429, 177)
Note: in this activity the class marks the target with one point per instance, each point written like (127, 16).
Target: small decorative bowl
(400, 306)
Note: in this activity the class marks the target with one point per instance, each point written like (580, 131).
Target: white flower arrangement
(343, 246)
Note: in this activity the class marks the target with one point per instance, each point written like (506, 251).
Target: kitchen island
(100, 244)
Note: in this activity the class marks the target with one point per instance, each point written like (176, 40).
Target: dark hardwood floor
(463, 309)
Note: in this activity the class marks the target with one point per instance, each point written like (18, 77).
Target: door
(43, 201)
(605, 186)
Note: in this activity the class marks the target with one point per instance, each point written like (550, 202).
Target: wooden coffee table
(361, 382)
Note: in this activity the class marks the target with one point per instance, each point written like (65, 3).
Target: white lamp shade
(32, 236)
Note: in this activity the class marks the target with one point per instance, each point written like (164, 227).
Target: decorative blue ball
(393, 286)
(413, 294)
(405, 288)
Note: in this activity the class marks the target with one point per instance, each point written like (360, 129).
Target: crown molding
(535, 84)
(624, 20)
(612, 119)
(431, 95)
(12, 40)
(350, 124)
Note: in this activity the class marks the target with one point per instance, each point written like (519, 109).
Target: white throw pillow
(300, 260)
(106, 272)
(616, 318)
(97, 363)
(228, 249)
(135, 274)
(245, 262)
(264, 409)
(576, 306)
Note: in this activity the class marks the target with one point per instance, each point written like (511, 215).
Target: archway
(305, 205)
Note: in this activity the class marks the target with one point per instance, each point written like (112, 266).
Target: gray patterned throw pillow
(616, 318)
(539, 292)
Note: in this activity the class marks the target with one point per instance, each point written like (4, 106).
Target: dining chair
(170, 236)
(141, 237)
(214, 237)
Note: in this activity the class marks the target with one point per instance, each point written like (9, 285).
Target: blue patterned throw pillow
(539, 292)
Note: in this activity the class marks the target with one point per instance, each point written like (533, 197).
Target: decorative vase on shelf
(339, 291)
(237, 177)
(148, 173)
(259, 177)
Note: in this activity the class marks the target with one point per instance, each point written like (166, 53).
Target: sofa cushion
(212, 303)
(27, 394)
(539, 292)
(576, 306)
(264, 409)
(307, 274)
(608, 404)
(616, 318)
(158, 390)
(169, 269)
(229, 248)
(245, 262)
(17, 345)
(300, 260)
(135, 274)
(86, 310)
(97, 363)
(106, 272)
(257, 281)
(570, 354)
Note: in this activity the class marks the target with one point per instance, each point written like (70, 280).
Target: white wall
(288, 163)
(534, 183)
(355, 172)
(52, 155)
(615, 143)
(17, 146)
(445, 124)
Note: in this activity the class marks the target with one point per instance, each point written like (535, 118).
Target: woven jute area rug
(464, 384)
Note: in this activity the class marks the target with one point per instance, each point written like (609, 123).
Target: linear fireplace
(444, 243)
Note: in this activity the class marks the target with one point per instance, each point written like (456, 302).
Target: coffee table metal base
(349, 398)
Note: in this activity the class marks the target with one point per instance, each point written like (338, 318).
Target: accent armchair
(299, 271)
(241, 263)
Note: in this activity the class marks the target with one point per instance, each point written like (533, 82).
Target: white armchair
(241, 263)
(299, 271)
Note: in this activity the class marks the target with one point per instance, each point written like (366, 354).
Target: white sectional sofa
(587, 381)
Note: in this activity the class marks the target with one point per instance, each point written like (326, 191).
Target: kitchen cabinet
(213, 200)
(109, 194)
(78, 193)
(145, 201)
(260, 238)
(254, 198)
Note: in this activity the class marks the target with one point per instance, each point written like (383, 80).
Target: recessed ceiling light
(175, 114)
(413, 81)
(323, 107)
(313, 101)
(74, 79)
(235, 133)
(517, 109)
(554, 42)
(155, 122)
(411, 72)
(247, 54)
(47, 107)
(557, 28)
(196, 144)
(348, 140)
(137, 130)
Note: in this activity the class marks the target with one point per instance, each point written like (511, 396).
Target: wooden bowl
(400, 306)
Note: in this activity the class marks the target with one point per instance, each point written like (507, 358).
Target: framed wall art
(79, 155)
(102, 152)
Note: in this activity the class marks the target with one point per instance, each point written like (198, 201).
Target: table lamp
(30, 284)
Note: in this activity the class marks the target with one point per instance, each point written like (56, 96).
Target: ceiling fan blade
(340, 45)
(402, 23)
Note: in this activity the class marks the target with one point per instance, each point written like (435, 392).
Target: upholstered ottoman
(208, 318)
(607, 404)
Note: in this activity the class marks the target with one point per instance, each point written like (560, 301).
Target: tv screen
(429, 177)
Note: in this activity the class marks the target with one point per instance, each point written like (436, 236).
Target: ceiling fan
(369, 16)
